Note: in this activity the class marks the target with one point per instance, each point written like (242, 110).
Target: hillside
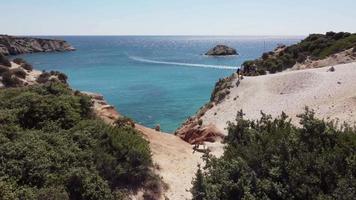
(314, 48)
(288, 91)
(331, 93)
(53, 102)
(271, 158)
(53, 147)
(13, 45)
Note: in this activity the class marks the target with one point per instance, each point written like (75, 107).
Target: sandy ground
(331, 94)
(176, 161)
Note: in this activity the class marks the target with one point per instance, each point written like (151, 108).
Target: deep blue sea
(152, 79)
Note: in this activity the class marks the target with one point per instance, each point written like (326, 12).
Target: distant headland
(13, 45)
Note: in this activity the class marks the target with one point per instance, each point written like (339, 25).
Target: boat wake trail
(181, 64)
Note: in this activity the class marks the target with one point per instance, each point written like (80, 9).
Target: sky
(176, 17)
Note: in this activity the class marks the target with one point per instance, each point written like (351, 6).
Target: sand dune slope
(331, 94)
(176, 160)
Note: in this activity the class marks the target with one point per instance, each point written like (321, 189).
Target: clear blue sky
(176, 17)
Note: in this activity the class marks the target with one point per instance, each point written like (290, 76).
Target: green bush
(315, 46)
(200, 122)
(27, 66)
(125, 122)
(273, 159)
(18, 72)
(3, 69)
(51, 147)
(10, 80)
(19, 61)
(4, 61)
(199, 186)
(44, 77)
(62, 77)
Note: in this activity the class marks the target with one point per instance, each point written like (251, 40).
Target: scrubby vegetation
(19, 72)
(3, 69)
(10, 80)
(44, 77)
(273, 159)
(4, 61)
(222, 89)
(316, 46)
(19, 61)
(25, 65)
(52, 75)
(52, 147)
(125, 122)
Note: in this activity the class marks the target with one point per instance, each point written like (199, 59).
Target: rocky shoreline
(13, 45)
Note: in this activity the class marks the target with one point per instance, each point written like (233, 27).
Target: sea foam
(182, 64)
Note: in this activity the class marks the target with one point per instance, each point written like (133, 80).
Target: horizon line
(158, 35)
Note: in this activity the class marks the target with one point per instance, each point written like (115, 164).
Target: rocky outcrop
(221, 50)
(102, 109)
(194, 131)
(12, 45)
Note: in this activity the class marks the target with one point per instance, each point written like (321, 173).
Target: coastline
(330, 94)
(172, 156)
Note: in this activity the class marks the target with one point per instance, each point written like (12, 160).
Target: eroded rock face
(11, 45)
(221, 50)
(194, 131)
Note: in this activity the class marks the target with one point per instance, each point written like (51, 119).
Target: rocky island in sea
(221, 50)
(14, 45)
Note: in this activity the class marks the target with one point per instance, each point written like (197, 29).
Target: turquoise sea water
(152, 79)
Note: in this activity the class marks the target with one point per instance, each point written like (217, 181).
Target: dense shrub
(25, 65)
(265, 56)
(221, 89)
(10, 80)
(125, 122)
(200, 122)
(44, 77)
(18, 72)
(3, 69)
(315, 46)
(62, 77)
(4, 61)
(19, 61)
(51, 147)
(273, 159)
(56, 76)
